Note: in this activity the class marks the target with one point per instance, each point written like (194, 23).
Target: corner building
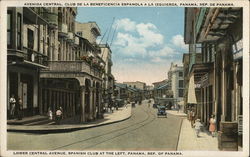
(50, 66)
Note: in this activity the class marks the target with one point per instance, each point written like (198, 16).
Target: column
(45, 102)
(70, 51)
(40, 103)
(61, 50)
(94, 103)
(73, 104)
(83, 103)
(54, 98)
(202, 113)
(205, 105)
(235, 102)
(91, 103)
(58, 98)
(69, 104)
(223, 116)
(64, 50)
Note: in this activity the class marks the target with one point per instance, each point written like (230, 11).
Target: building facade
(219, 32)
(50, 66)
(176, 81)
(28, 53)
(137, 84)
(108, 78)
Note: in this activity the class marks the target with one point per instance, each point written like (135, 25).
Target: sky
(145, 39)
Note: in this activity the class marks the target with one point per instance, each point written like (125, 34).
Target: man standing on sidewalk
(192, 117)
(12, 106)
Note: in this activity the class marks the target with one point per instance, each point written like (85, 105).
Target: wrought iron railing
(36, 57)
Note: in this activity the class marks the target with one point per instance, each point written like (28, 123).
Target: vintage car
(161, 111)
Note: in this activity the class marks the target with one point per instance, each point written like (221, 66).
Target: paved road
(143, 131)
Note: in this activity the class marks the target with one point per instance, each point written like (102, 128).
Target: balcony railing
(36, 57)
(52, 18)
(73, 66)
(70, 37)
(200, 19)
(63, 29)
(77, 41)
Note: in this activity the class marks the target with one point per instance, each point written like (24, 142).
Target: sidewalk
(176, 113)
(117, 116)
(189, 141)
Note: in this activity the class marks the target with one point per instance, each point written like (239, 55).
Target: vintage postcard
(124, 78)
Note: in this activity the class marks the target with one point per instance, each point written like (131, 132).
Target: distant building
(109, 80)
(137, 84)
(121, 91)
(176, 79)
(160, 83)
(89, 31)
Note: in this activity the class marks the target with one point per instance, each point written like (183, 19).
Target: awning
(191, 91)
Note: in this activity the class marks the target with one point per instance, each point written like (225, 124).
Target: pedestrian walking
(58, 116)
(212, 123)
(12, 106)
(50, 114)
(192, 114)
(197, 127)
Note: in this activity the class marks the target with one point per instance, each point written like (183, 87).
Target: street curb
(63, 130)
(177, 115)
(177, 146)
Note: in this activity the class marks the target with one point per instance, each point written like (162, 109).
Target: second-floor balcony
(29, 57)
(200, 19)
(52, 18)
(35, 57)
(62, 30)
(70, 37)
(73, 67)
(76, 41)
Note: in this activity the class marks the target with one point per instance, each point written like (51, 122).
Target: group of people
(58, 115)
(16, 108)
(197, 125)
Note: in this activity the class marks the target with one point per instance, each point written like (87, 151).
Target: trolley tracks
(115, 133)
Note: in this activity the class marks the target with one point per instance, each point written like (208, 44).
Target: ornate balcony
(52, 18)
(77, 41)
(28, 57)
(70, 37)
(200, 19)
(70, 69)
(35, 57)
(63, 30)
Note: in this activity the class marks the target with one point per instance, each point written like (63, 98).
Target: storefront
(23, 84)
